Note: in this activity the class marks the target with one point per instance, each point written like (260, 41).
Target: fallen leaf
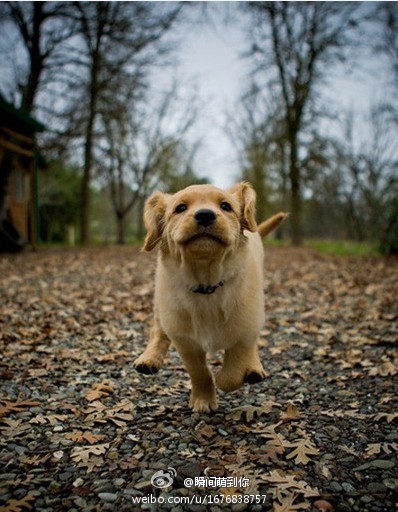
(303, 448)
(7, 407)
(19, 505)
(287, 503)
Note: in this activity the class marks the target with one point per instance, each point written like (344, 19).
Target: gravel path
(82, 431)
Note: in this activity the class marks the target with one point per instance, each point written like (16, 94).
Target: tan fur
(228, 251)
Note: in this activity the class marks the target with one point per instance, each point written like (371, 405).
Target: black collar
(207, 290)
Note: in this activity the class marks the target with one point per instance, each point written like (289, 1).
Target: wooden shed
(18, 178)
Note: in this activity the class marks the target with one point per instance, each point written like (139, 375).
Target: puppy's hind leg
(151, 360)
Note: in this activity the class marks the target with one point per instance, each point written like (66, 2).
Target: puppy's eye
(226, 206)
(180, 208)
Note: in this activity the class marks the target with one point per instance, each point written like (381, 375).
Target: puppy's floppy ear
(154, 210)
(246, 196)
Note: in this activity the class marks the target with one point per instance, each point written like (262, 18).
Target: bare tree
(388, 44)
(145, 147)
(293, 43)
(255, 127)
(43, 28)
(371, 166)
(117, 38)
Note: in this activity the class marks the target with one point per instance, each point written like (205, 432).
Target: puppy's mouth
(204, 236)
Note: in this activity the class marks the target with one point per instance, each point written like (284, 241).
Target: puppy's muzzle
(205, 218)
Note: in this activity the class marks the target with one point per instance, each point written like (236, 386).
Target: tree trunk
(36, 58)
(86, 179)
(294, 175)
(121, 228)
(88, 157)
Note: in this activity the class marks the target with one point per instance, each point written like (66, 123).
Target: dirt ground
(80, 430)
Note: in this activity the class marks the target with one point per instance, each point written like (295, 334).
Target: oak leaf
(7, 407)
(292, 413)
(99, 390)
(303, 448)
(252, 411)
(80, 437)
(19, 505)
(285, 482)
(82, 454)
(389, 417)
(376, 448)
(287, 503)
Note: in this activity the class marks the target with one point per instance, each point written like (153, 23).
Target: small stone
(348, 488)
(222, 432)
(19, 493)
(335, 487)
(8, 476)
(190, 470)
(64, 476)
(119, 482)
(376, 488)
(143, 485)
(391, 483)
(366, 499)
(362, 467)
(78, 482)
(109, 497)
(382, 464)
(105, 487)
(323, 505)
(58, 428)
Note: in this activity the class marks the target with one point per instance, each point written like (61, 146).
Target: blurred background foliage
(90, 71)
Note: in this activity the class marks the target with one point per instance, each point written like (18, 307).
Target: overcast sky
(211, 62)
(211, 56)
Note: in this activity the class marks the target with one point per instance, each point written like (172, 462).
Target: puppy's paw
(255, 376)
(203, 404)
(147, 365)
(228, 382)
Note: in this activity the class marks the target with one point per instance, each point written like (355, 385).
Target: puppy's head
(200, 220)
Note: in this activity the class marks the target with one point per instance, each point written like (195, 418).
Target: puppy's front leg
(152, 358)
(241, 364)
(203, 395)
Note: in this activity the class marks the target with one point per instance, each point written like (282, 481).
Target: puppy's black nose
(205, 217)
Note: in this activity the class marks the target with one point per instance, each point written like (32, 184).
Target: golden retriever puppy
(209, 285)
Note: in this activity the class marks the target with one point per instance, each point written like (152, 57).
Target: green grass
(343, 247)
(333, 247)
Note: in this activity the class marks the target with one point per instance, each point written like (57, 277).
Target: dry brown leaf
(286, 483)
(99, 390)
(275, 446)
(7, 407)
(292, 413)
(113, 356)
(389, 417)
(386, 369)
(286, 503)
(80, 437)
(36, 460)
(82, 454)
(376, 448)
(19, 505)
(303, 448)
(252, 411)
(14, 428)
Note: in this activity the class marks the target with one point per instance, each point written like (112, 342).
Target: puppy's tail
(269, 225)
